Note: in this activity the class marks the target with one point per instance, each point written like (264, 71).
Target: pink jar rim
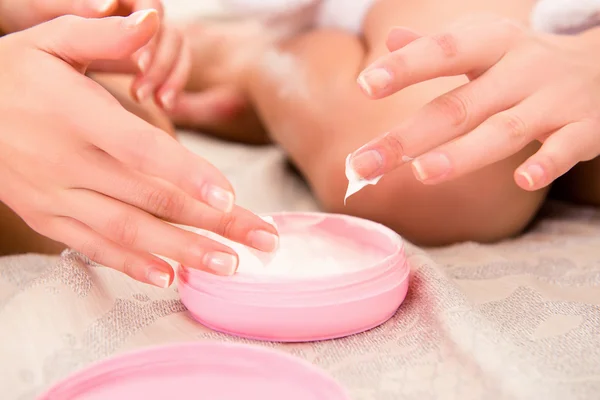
(388, 265)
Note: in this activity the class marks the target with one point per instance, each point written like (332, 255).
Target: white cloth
(565, 16)
(342, 14)
(512, 320)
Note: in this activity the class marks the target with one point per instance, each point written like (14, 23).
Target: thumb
(79, 41)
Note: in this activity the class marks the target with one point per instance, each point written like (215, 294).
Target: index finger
(151, 151)
(457, 52)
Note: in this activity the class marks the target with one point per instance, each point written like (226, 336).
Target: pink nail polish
(431, 166)
(374, 81)
(367, 164)
(158, 278)
(221, 263)
(263, 240)
(219, 198)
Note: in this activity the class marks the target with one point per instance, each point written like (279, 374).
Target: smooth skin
(524, 87)
(329, 117)
(80, 169)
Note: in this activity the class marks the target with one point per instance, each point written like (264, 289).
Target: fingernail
(533, 174)
(168, 99)
(144, 61)
(263, 240)
(143, 92)
(101, 6)
(158, 278)
(221, 263)
(219, 198)
(138, 17)
(431, 166)
(374, 81)
(367, 164)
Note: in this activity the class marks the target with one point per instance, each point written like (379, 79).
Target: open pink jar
(307, 307)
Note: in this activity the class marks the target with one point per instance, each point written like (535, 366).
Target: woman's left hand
(523, 87)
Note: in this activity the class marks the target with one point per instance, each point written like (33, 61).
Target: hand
(162, 65)
(522, 87)
(81, 170)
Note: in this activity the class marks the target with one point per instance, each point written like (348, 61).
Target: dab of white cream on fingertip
(355, 182)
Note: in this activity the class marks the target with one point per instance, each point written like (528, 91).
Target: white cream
(306, 254)
(355, 181)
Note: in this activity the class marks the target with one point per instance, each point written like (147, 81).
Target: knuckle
(122, 229)
(394, 144)
(454, 107)
(129, 266)
(226, 225)
(93, 251)
(513, 127)
(165, 204)
(447, 43)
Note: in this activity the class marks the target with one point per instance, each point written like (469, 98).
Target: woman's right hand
(81, 170)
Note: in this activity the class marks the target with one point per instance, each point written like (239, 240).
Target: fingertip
(147, 18)
(375, 81)
(102, 8)
(159, 275)
(530, 177)
(399, 37)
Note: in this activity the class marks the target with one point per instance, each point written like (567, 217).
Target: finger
(134, 229)
(560, 152)
(48, 10)
(142, 267)
(445, 118)
(207, 107)
(400, 37)
(177, 79)
(453, 53)
(499, 137)
(145, 56)
(80, 41)
(149, 150)
(167, 202)
(163, 62)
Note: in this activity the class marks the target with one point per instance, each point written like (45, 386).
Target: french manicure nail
(168, 99)
(143, 92)
(101, 6)
(263, 240)
(219, 198)
(374, 81)
(138, 17)
(367, 164)
(158, 278)
(431, 166)
(144, 61)
(533, 174)
(221, 263)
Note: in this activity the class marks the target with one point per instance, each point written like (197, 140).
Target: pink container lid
(281, 308)
(200, 370)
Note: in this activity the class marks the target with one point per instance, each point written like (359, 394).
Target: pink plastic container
(199, 371)
(292, 309)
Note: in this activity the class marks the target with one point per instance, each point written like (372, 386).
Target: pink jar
(308, 308)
